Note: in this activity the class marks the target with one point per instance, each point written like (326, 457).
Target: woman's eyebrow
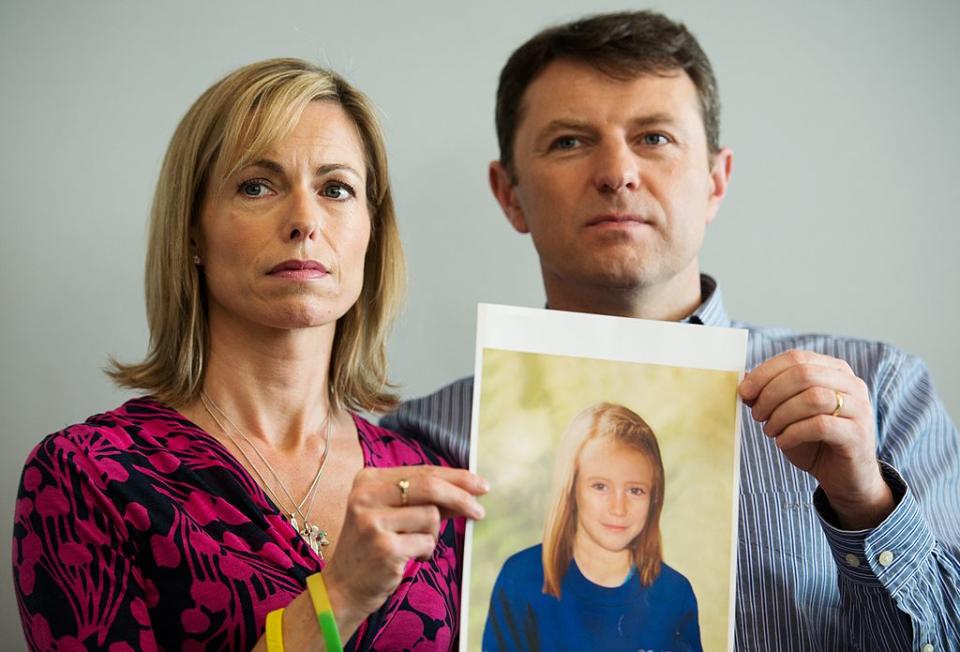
(333, 167)
(267, 164)
(277, 168)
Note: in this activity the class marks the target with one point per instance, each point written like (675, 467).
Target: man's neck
(674, 300)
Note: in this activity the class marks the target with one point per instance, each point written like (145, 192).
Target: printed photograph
(611, 520)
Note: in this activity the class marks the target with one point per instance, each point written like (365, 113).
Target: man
(850, 472)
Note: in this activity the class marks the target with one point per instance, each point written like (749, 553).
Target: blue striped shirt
(802, 583)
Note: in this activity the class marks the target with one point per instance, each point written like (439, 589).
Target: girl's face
(613, 494)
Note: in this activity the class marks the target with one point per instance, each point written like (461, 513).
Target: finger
(416, 546)
(797, 379)
(433, 489)
(754, 382)
(466, 480)
(840, 434)
(422, 519)
(419, 485)
(810, 403)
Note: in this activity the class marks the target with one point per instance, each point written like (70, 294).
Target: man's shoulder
(441, 419)
(865, 356)
(452, 393)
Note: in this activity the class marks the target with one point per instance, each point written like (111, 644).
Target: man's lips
(299, 269)
(617, 219)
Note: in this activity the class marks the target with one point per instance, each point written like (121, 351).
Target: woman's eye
(337, 190)
(638, 491)
(253, 188)
(565, 142)
(598, 486)
(655, 139)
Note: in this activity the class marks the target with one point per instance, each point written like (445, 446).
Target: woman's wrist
(347, 616)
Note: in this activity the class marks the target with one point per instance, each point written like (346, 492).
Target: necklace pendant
(314, 537)
(294, 524)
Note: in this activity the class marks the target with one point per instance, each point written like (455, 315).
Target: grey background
(841, 215)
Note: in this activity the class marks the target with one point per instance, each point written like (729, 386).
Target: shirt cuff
(887, 555)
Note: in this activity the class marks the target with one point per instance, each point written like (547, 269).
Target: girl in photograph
(598, 580)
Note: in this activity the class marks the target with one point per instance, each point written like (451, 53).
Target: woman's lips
(299, 270)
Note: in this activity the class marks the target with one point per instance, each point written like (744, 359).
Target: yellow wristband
(275, 631)
(321, 605)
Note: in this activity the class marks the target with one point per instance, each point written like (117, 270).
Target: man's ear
(505, 191)
(721, 165)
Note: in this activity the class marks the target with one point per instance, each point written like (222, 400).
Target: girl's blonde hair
(234, 123)
(614, 423)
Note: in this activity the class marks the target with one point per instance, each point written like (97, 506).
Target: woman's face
(613, 494)
(282, 242)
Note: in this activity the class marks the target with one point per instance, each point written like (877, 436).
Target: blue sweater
(630, 617)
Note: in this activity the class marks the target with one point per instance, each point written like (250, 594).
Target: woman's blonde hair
(230, 126)
(614, 423)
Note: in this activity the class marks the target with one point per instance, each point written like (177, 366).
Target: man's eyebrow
(652, 120)
(564, 124)
(570, 124)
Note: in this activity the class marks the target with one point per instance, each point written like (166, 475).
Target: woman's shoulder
(385, 447)
(101, 445)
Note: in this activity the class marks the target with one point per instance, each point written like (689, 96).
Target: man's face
(613, 179)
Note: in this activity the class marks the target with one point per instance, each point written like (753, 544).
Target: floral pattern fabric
(136, 530)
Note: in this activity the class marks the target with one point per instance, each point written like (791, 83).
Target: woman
(181, 519)
(598, 581)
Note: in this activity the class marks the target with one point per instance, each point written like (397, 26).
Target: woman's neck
(271, 383)
(599, 565)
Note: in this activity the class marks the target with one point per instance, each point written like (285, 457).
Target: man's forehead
(570, 89)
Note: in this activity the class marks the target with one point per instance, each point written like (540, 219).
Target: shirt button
(886, 558)
(852, 560)
(927, 648)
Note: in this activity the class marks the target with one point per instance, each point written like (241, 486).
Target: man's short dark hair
(622, 45)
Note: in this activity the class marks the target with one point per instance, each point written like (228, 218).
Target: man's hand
(819, 414)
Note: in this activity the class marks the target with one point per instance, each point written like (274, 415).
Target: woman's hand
(381, 534)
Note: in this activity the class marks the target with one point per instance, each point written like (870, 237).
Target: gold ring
(836, 410)
(404, 486)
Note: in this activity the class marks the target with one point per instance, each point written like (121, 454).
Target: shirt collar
(711, 311)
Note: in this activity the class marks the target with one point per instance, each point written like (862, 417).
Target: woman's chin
(296, 315)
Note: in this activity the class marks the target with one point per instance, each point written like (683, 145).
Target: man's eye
(253, 188)
(565, 142)
(338, 190)
(655, 139)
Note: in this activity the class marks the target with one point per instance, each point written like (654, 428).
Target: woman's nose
(304, 219)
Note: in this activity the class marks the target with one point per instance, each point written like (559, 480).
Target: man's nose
(617, 168)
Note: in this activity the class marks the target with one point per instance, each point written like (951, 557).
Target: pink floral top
(136, 530)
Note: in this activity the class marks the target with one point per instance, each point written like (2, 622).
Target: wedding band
(404, 486)
(836, 410)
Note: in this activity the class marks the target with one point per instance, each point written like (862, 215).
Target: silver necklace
(314, 536)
